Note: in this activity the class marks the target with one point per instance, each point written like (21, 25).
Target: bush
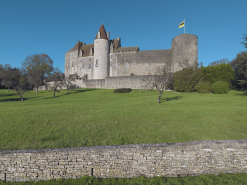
(220, 87)
(220, 72)
(186, 79)
(203, 87)
(122, 90)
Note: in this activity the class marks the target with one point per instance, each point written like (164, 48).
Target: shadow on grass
(170, 99)
(70, 92)
(243, 93)
(17, 99)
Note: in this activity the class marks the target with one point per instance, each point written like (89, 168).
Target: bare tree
(56, 81)
(161, 80)
(37, 67)
(68, 81)
(218, 62)
(13, 78)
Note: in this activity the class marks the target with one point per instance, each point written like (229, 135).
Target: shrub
(220, 87)
(203, 87)
(122, 90)
(220, 72)
(186, 79)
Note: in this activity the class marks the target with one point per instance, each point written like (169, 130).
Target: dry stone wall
(126, 161)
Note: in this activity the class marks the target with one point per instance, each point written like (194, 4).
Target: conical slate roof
(102, 33)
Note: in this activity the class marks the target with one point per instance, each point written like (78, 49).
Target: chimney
(108, 35)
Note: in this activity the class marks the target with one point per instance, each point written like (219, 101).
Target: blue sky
(54, 26)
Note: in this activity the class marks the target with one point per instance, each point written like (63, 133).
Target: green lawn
(87, 117)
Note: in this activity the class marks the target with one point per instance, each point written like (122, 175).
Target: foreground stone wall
(178, 159)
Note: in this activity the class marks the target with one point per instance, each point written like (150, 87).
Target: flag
(181, 25)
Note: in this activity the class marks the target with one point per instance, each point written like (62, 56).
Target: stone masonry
(126, 161)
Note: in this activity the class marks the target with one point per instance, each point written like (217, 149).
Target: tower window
(96, 64)
(89, 67)
(83, 66)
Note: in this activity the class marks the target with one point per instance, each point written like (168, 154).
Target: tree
(13, 78)
(245, 40)
(218, 62)
(162, 79)
(37, 67)
(68, 81)
(186, 79)
(56, 81)
(239, 64)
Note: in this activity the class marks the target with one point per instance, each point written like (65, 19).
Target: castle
(105, 64)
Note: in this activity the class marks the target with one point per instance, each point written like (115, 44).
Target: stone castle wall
(139, 62)
(126, 161)
(183, 53)
(133, 82)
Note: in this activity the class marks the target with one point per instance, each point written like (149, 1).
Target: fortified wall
(126, 161)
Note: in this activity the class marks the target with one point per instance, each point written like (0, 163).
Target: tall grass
(87, 117)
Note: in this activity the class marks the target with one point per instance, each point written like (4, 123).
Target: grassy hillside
(87, 117)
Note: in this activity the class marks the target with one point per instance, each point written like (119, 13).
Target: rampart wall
(99, 83)
(140, 62)
(126, 161)
(133, 82)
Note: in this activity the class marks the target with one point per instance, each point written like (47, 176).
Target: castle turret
(184, 51)
(101, 54)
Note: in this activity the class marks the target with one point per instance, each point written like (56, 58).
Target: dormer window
(98, 35)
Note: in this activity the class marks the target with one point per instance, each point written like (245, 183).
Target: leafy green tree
(245, 40)
(239, 64)
(14, 78)
(186, 79)
(37, 67)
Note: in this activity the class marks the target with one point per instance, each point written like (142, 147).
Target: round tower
(101, 54)
(184, 51)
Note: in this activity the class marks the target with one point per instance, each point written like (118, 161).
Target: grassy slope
(88, 117)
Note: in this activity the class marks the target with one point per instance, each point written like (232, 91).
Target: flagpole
(184, 25)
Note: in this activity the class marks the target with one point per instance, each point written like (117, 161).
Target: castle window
(127, 64)
(96, 64)
(111, 64)
(83, 66)
(89, 59)
(118, 64)
(89, 67)
(73, 64)
(134, 64)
